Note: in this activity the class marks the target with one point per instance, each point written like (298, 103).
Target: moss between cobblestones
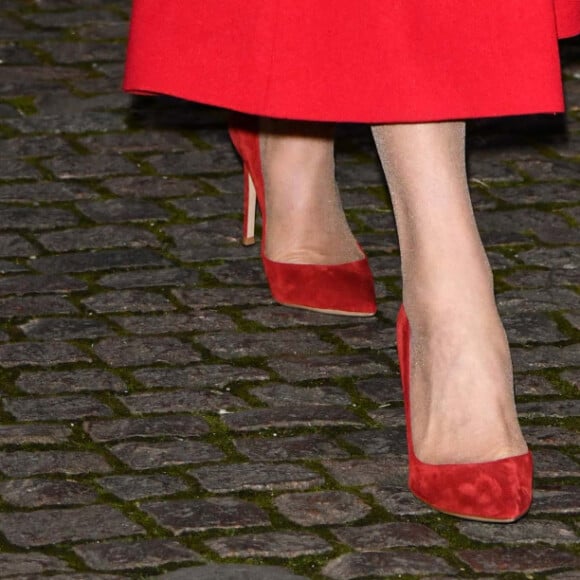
(24, 104)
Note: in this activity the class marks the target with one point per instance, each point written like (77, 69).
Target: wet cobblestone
(161, 417)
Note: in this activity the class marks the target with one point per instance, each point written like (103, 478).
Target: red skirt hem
(398, 62)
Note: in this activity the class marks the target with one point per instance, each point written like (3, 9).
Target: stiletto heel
(346, 289)
(493, 491)
(248, 236)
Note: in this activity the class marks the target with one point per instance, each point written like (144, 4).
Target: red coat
(375, 61)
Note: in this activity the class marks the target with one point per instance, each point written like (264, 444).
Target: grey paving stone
(149, 278)
(231, 572)
(398, 500)
(281, 395)
(44, 354)
(563, 499)
(325, 367)
(56, 408)
(382, 537)
(375, 336)
(122, 210)
(65, 328)
(29, 218)
(387, 470)
(572, 376)
(152, 187)
(182, 401)
(381, 389)
(532, 328)
(14, 246)
(40, 146)
(389, 417)
(99, 237)
(45, 492)
(549, 435)
(168, 426)
(527, 278)
(27, 463)
(525, 560)
(533, 385)
(135, 142)
(522, 302)
(269, 545)
(552, 258)
(173, 322)
(288, 317)
(393, 563)
(230, 345)
(288, 448)
(10, 267)
(548, 170)
(146, 455)
(89, 166)
(134, 554)
(33, 434)
(18, 169)
(40, 284)
(195, 162)
(88, 121)
(379, 442)
(99, 261)
(198, 376)
(183, 516)
(291, 417)
(47, 382)
(197, 298)
(201, 206)
(84, 51)
(81, 576)
(256, 477)
(532, 193)
(22, 306)
(553, 463)
(43, 191)
(138, 351)
(128, 301)
(132, 487)
(561, 408)
(12, 565)
(545, 357)
(528, 531)
(321, 508)
(53, 526)
(242, 272)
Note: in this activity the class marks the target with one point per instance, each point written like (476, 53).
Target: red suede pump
(494, 491)
(346, 289)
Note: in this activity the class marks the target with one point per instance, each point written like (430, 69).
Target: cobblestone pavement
(161, 417)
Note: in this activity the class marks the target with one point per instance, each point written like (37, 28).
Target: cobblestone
(255, 476)
(321, 508)
(164, 426)
(269, 545)
(66, 407)
(527, 560)
(389, 564)
(131, 487)
(182, 516)
(153, 455)
(45, 382)
(53, 526)
(137, 554)
(26, 463)
(45, 492)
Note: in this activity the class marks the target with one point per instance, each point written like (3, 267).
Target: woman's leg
(305, 219)
(461, 379)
